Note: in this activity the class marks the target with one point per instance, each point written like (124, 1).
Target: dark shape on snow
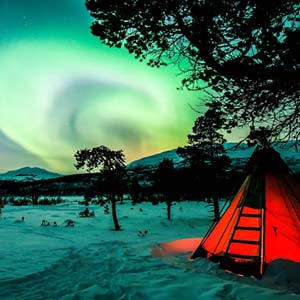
(86, 213)
(20, 221)
(45, 223)
(142, 233)
(69, 223)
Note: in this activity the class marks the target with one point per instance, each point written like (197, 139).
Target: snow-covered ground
(89, 261)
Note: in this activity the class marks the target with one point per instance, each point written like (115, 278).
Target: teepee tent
(262, 223)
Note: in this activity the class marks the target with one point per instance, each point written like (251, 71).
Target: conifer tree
(164, 178)
(111, 165)
(205, 150)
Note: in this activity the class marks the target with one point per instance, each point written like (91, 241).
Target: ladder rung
(246, 242)
(243, 256)
(251, 215)
(247, 228)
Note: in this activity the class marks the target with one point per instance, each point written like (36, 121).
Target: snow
(155, 159)
(89, 261)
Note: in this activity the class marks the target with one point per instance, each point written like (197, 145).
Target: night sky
(62, 90)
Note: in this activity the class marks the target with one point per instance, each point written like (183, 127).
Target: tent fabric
(282, 229)
(262, 223)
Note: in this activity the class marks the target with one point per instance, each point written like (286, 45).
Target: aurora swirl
(61, 90)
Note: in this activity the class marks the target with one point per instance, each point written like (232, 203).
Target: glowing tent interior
(262, 223)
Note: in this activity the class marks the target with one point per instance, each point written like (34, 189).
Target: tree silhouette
(260, 136)
(135, 190)
(244, 53)
(205, 152)
(164, 180)
(111, 165)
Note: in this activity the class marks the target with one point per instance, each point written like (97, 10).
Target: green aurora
(62, 90)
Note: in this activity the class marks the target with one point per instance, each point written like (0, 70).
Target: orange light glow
(176, 247)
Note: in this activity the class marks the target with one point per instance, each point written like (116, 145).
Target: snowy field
(89, 261)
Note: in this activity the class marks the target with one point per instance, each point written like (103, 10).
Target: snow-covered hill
(155, 159)
(28, 174)
(239, 156)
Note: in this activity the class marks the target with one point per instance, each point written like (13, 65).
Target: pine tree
(205, 150)
(164, 178)
(111, 165)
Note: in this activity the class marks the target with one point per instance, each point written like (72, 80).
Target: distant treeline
(139, 183)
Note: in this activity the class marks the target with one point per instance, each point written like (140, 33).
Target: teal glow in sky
(62, 90)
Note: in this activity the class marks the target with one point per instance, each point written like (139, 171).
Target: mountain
(155, 159)
(27, 180)
(28, 174)
(239, 156)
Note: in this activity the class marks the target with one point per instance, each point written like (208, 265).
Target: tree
(244, 53)
(164, 180)
(111, 165)
(261, 136)
(205, 152)
(135, 190)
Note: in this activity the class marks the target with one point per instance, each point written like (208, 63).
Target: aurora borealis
(62, 90)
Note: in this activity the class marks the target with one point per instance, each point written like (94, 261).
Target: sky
(61, 90)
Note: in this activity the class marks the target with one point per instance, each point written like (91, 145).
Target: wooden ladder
(251, 230)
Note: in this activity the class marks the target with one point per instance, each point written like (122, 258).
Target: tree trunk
(216, 208)
(214, 179)
(114, 213)
(215, 196)
(169, 202)
(35, 199)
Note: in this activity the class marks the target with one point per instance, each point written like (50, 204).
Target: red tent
(262, 223)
